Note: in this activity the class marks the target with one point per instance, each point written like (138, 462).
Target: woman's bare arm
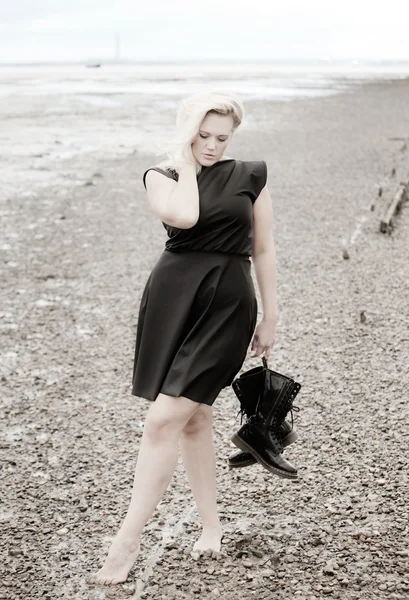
(264, 255)
(264, 260)
(176, 203)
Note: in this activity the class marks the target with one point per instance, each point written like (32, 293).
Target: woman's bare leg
(196, 444)
(157, 460)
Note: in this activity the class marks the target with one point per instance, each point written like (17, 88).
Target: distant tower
(117, 47)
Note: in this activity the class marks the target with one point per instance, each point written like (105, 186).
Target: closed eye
(206, 136)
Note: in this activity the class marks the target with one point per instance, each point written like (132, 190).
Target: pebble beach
(78, 243)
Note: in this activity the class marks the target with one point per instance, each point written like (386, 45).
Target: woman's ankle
(129, 539)
(211, 525)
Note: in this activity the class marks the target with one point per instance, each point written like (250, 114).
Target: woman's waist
(196, 264)
(232, 255)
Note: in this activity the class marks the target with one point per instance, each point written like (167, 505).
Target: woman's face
(214, 134)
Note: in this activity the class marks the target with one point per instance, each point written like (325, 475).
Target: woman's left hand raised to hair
(264, 337)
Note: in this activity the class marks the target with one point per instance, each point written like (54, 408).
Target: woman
(198, 311)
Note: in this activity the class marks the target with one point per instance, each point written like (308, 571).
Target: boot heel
(245, 448)
(240, 444)
(290, 439)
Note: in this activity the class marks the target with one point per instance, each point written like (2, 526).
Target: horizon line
(111, 61)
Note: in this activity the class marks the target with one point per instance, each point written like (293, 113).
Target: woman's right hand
(187, 159)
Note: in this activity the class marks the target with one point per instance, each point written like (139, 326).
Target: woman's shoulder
(258, 168)
(251, 165)
(256, 176)
(254, 164)
(167, 171)
(254, 169)
(163, 169)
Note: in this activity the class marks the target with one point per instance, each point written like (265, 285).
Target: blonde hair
(193, 109)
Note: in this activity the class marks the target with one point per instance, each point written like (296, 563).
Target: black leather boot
(266, 448)
(248, 388)
(260, 435)
(245, 459)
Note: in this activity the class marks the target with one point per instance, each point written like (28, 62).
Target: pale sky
(64, 30)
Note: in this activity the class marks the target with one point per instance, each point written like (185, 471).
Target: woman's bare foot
(210, 539)
(121, 557)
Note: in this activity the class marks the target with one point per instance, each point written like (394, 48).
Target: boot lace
(285, 407)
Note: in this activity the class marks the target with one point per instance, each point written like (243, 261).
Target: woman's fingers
(260, 349)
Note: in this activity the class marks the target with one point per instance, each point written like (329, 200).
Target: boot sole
(275, 470)
(289, 439)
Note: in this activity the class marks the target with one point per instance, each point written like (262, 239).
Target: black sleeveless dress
(198, 310)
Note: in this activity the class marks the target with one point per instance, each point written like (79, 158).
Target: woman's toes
(209, 540)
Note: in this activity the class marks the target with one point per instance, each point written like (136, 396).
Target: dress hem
(145, 397)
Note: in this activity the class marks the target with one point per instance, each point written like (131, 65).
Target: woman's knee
(200, 421)
(168, 414)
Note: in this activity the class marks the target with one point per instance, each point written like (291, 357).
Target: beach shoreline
(56, 128)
